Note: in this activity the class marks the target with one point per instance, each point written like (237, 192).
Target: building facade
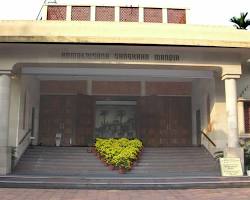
(83, 72)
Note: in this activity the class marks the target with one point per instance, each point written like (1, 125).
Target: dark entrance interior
(160, 120)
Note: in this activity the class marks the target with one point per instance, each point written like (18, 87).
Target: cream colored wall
(217, 129)
(127, 33)
(15, 97)
(219, 115)
(21, 86)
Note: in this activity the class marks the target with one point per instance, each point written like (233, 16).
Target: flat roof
(122, 33)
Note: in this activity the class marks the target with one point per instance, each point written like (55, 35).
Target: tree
(121, 114)
(241, 22)
(104, 113)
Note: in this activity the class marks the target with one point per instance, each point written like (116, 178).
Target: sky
(211, 12)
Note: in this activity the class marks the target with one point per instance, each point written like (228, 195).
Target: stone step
(98, 163)
(158, 162)
(117, 182)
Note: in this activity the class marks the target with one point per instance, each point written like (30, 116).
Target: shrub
(119, 152)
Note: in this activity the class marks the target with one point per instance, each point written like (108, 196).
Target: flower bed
(120, 153)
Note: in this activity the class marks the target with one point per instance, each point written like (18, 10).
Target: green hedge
(119, 152)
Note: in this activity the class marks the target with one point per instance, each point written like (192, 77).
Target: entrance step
(154, 162)
(125, 183)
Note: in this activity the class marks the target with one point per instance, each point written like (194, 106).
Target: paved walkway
(61, 194)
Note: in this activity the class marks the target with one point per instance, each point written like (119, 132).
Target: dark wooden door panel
(85, 120)
(51, 117)
(69, 108)
(70, 115)
(164, 121)
(56, 116)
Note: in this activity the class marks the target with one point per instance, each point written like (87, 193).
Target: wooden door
(70, 115)
(85, 120)
(68, 123)
(164, 121)
(147, 120)
(51, 118)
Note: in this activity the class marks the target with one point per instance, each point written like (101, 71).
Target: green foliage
(245, 144)
(241, 22)
(119, 152)
(247, 154)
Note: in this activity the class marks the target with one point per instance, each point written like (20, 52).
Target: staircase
(154, 162)
(60, 161)
(177, 162)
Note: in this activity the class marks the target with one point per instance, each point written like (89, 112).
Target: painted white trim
(164, 15)
(92, 13)
(44, 12)
(110, 72)
(114, 4)
(106, 78)
(68, 13)
(188, 14)
(117, 13)
(232, 112)
(141, 14)
(123, 103)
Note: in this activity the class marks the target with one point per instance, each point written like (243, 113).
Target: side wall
(25, 95)
(209, 96)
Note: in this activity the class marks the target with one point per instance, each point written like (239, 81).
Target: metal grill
(56, 13)
(105, 13)
(153, 15)
(247, 116)
(177, 16)
(129, 14)
(80, 13)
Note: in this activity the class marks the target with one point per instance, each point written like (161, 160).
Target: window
(153, 15)
(80, 13)
(129, 14)
(56, 13)
(105, 13)
(247, 116)
(177, 16)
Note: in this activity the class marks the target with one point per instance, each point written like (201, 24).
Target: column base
(236, 152)
(5, 160)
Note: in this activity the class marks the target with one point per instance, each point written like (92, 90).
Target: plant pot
(93, 149)
(130, 168)
(122, 170)
(111, 167)
(98, 156)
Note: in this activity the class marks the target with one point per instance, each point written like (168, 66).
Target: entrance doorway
(69, 116)
(159, 121)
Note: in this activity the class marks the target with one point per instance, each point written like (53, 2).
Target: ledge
(122, 33)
